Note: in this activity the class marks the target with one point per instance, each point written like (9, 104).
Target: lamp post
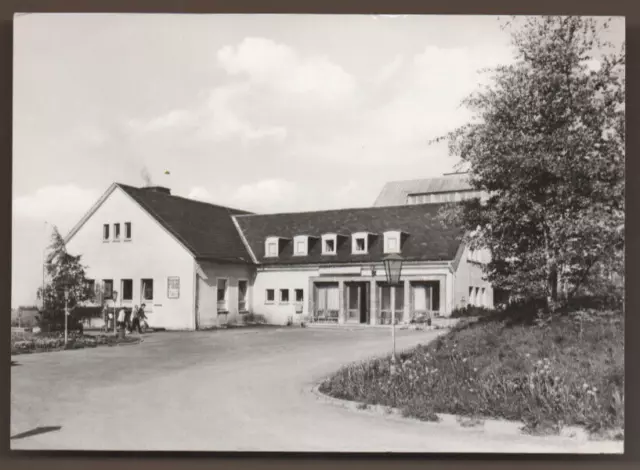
(66, 312)
(393, 270)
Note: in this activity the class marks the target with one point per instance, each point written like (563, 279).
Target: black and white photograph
(324, 233)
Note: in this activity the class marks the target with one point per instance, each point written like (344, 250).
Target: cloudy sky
(261, 112)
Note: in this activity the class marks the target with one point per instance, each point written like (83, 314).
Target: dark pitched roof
(395, 192)
(426, 239)
(207, 230)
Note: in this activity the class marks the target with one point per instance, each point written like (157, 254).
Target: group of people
(131, 321)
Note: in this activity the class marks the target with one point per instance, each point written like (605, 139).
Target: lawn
(567, 370)
(25, 343)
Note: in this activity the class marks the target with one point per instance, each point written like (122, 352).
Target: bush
(22, 343)
(251, 318)
(471, 311)
(567, 371)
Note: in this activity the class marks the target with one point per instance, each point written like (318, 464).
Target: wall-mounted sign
(173, 287)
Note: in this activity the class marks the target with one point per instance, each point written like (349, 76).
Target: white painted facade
(471, 287)
(151, 253)
(212, 312)
(275, 278)
(209, 292)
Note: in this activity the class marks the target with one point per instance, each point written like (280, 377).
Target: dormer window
(360, 243)
(272, 247)
(301, 245)
(329, 244)
(393, 242)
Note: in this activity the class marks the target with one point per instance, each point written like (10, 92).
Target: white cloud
(55, 204)
(278, 67)
(220, 120)
(201, 194)
(593, 65)
(268, 195)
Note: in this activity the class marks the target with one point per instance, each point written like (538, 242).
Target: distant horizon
(262, 113)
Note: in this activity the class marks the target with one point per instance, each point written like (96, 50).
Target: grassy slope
(564, 373)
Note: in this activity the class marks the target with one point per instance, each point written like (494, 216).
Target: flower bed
(567, 372)
(25, 343)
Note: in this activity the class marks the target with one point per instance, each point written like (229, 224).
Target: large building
(450, 187)
(197, 265)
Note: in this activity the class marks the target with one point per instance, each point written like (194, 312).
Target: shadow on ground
(36, 431)
(15, 363)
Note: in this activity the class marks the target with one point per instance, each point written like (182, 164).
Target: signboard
(173, 287)
(357, 270)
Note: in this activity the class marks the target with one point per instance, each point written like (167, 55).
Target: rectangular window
(299, 295)
(360, 245)
(470, 295)
(399, 299)
(105, 232)
(222, 294)
(127, 289)
(385, 298)
(90, 287)
(300, 248)
(127, 230)
(242, 296)
(284, 296)
(272, 249)
(147, 289)
(116, 231)
(107, 288)
(329, 246)
(271, 296)
(392, 244)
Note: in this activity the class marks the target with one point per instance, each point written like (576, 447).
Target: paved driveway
(225, 390)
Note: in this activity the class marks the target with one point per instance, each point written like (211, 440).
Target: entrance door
(357, 302)
(327, 302)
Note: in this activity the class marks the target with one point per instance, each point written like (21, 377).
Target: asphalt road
(233, 390)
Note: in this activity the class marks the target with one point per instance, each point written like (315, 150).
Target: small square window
(284, 296)
(329, 246)
(300, 248)
(392, 244)
(361, 245)
(271, 296)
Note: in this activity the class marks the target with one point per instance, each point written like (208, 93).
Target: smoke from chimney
(144, 173)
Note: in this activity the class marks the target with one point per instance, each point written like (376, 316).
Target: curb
(462, 423)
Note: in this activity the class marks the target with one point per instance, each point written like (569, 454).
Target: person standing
(135, 320)
(122, 316)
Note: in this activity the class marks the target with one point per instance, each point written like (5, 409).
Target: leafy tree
(65, 272)
(547, 145)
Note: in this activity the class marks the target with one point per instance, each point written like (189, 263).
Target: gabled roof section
(427, 240)
(206, 230)
(395, 192)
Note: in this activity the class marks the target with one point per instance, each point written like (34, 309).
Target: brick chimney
(158, 189)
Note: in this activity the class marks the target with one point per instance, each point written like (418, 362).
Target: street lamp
(393, 270)
(66, 312)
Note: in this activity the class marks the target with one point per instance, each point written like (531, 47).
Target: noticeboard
(173, 287)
